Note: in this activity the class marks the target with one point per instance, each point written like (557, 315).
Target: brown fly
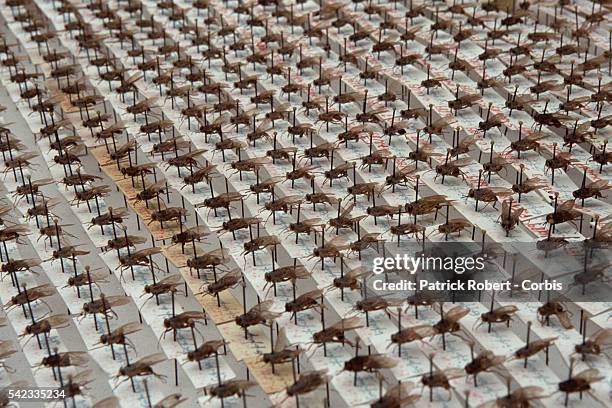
(581, 383)
(141, 368)
(483, 362)
(307, 382)
(531, 142)
(596, 344)
(452, 168)
(30, 295)
(427, 205)
(489, 194)
(521, 397)
(168, 214)
(65, 359)
(503, 314)
(90, 194)
(142, 106)
(151, 192)
(209, 259)
(351, 280)
(555, 308)
(190, 234)
(205, 350)
(46, 324)
(336, 332)
(593, 189)
(138, 258)
(425, 153)
(464, 101)
(203, 174)
(259, 243)
(305, 172)
(185, 320)
(397, 396)
(441, 379)
(533, 348)
(370, 363)
(104, 305)
(258, 314)
(229, 280)
(564, 213)
(449, 323)
(249, 165)
(283, 352)
(120, 335)
(410, 334)
(308, 300)
(138, 170)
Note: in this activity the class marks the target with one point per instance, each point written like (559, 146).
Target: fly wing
(147, 252)
(590, 375)
(137, 239)
(130, 328)
(82, 377)
(174, 280)
(42, 291)
(170, 401)
(313, 294)
(99, 276)
(567, 205)
(401, 390)
(443, 122)
(337, 242)
(121, 212)
(358, 273)
(502, 192)
(259, 160)
(347, 211)
(351, 323)
(194, 315)
(196, 152)
(152, 359)
(456, 313)
(293, 200)
(116, 301)
(599, 185)
(603, 336)
(264, 308)
(301, 273)
(424, 330)
(509, 309)
(7, 347)
(273, 180)
(434, 198)
(43, 182)
(454, 373)
(383, 361)
(110, 402)
(282, 342)
(461, 162)
(198, 230)
(313, 222)
(528, 393)
(534, 136)
(219, 252)
(264, 126)
(467, 142)
(78, 358)
(565, 321)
